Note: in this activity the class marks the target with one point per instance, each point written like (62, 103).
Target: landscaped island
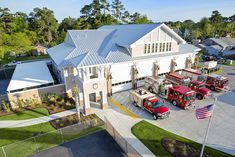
(159, 141)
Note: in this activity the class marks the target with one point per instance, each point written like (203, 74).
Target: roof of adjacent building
(223, 42)
(228, 40)
(108, 44)
(29, 75)
(220, 42)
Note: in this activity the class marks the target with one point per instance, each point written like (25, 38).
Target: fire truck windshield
(157, 104)
(189, 97)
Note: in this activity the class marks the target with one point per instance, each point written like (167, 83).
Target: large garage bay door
(122, 86)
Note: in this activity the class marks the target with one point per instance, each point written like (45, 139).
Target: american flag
(204, 112)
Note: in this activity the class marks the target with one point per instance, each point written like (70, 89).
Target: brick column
(155, 70)
(173, 65)
(108, 76)
(188, 62)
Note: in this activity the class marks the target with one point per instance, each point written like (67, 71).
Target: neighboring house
(219, 46)
(214, 49)
(40, 50)
(195, 41)
(114, 58)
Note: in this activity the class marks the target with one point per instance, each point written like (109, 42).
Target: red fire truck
(178, 79)
(147, 101)
(179, 95)
(198, 86)
(214, 82)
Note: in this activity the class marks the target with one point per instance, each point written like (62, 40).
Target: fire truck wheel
(212, 88)
(199, 96)
(155, 117)
(150, 89)
(174, 103)
(135, 104)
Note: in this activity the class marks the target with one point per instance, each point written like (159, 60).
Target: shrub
(6, 106)
(57, 120)
(68, 104)
(61, 105)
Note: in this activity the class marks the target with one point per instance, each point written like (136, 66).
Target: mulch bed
(180, 149)
(52, 107)
(73, 119)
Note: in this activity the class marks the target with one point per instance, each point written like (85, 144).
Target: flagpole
(207, 130)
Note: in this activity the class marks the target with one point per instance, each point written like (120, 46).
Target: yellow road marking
(113, 102)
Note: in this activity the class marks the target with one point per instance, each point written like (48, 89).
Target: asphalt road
(99, 144)
(229, 71)
(3, 86)
(184, 122)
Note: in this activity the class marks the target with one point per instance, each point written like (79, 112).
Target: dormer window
(170, 46)
(149, 48)
(160, 47)
(153, 50)
(145, 48)
(167, 46)
(163, 47)
(156, 47)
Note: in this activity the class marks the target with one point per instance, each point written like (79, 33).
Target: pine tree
(117, 9)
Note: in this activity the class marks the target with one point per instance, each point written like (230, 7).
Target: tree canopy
(20, 32)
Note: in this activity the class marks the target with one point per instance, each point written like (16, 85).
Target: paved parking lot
(97, 144)
(184, 123)
(3, 86)
(229, 71)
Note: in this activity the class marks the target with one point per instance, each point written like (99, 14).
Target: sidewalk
(28, 122)
(123, 124)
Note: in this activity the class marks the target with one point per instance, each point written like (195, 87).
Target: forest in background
(20, 32)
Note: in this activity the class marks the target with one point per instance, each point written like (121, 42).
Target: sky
(156, 10)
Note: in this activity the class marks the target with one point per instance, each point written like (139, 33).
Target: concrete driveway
(184, 123)
(96, 144)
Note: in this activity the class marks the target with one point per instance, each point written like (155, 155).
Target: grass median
(27, 114)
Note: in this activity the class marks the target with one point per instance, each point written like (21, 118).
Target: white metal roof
(127, 34)
(108, 44)
(88, 59)
(219, 42)
(59, 52)
(30, 74)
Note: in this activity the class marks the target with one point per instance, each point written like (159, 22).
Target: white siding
(121, 87)
(164, 64)
(122, 72)
(157, 36)
(145, 68)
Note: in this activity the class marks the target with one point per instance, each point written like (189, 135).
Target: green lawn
(28, 114)
(151, 135)
(11, 135)
(32, 58)
(13, 139)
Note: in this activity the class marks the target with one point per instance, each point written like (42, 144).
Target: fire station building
(114, 58)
